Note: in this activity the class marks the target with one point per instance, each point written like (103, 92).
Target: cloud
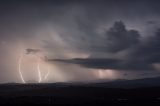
(119, 38)
(141, 55)
(102, 63)
(148, 52)
(150, 22)
(85, 37)
(32, 51)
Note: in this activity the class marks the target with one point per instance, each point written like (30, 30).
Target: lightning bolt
(38, 69)
(19, 67)
(46, 76)
(39, 72)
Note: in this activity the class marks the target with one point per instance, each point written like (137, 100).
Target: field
(77, 94)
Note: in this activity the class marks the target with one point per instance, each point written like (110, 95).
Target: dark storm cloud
(141, 57)
(148, 52)
(116, 38)
(151, 22)
(32, 51)
(119, 38)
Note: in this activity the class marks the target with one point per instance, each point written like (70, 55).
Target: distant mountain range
(120, 83)
(146, 82)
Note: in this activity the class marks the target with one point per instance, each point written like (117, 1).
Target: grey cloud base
(99, 63)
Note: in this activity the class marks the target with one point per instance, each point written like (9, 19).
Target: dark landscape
(113, 93)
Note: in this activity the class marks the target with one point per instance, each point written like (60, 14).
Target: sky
(79, 41)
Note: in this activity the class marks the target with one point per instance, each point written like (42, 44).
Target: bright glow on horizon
(106, 74)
